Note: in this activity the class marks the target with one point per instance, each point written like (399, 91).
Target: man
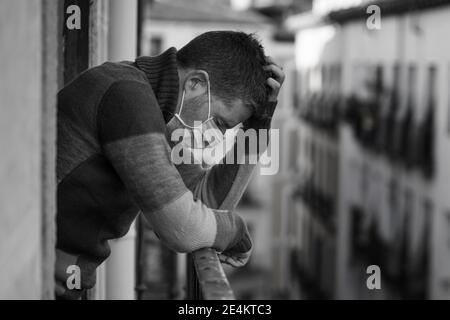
(114, 150)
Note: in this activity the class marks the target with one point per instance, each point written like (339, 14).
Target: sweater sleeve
(132, 134)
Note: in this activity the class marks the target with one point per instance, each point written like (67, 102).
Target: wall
(22, 202)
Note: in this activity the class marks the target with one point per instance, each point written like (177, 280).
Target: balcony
(398, 136)
(321, 205)
(404, 272)
(162, 274)
(206, 279)
(322, 112)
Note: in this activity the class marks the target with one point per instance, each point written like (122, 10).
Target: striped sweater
(114, 161)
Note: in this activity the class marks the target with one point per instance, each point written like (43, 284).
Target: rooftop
(345, 14)
(198, 11)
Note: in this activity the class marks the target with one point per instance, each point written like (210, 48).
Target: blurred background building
(374, 124)
(364, 126)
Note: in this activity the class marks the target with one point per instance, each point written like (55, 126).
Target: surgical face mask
(201, 135)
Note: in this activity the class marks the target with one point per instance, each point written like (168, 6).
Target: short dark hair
(234, 62)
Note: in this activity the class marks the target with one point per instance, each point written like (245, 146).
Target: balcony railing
(206, 279)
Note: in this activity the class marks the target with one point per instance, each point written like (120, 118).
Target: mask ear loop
(178, 115)
(182, 101)
(209, 100)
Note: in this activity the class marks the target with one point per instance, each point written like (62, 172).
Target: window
(405, 230)
(431, 91)
(295, 87)
(448, 102)
(412, 85)
(155, 45)
(325, 78)
(426, 143)
(332, 172)
(394, 99)
(447, 218)
(421, 265)
(393, 200)
(76, 43)
(307, 82)
(378, 81)
(294, 147)
(338, 78)
(406, 138)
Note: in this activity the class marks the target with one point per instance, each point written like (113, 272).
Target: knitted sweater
(114, 161)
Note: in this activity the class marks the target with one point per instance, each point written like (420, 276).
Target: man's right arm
(133, 137)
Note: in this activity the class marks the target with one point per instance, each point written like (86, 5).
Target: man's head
(232, 62)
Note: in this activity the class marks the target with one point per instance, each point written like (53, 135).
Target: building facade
(374, 120)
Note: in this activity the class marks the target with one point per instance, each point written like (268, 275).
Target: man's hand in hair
(274, 82)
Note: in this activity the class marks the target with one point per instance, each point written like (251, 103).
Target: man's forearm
(220, 187)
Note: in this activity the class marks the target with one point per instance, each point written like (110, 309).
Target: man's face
(229, 116)
(225, 116)
(196, 110)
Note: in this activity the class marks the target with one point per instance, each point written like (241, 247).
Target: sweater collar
(162, 74)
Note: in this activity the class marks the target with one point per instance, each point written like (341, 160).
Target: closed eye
(222, 125)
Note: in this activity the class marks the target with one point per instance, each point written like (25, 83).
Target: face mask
(203, 134)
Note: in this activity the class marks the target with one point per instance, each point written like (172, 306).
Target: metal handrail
(206, 279)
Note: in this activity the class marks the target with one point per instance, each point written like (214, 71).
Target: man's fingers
(277, 72)
(270, 60)
(274, 84)
(275, 89)
(276, 80)
(234, 262)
